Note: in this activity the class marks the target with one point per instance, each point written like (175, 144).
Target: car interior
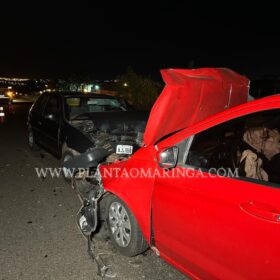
(250, 144)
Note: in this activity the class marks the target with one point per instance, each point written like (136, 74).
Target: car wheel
(67, 155)
(31, 140)
(124, 231)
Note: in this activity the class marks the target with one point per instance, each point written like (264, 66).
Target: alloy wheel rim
(119, 223)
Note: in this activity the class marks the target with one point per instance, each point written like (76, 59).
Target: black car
(69, 124)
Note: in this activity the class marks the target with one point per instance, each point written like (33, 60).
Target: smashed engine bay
(114, 136)
(109, 139)
(118, 134)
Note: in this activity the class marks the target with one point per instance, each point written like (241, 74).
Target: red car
(203, 192)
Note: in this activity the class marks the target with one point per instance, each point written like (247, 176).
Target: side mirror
(167, 158)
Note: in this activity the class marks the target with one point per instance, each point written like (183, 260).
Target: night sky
(101, 41)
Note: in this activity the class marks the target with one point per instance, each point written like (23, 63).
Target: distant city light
(13, 79)
(10, 87)
(125, 84)
(96, 87)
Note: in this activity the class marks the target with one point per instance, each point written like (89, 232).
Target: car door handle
(262, 210)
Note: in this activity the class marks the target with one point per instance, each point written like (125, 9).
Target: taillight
(2, 115)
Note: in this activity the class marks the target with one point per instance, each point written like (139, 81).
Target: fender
(134, 187)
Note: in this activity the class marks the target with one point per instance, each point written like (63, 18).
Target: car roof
(80, 94)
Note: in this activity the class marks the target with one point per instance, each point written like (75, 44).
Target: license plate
(124, 149)
(2, 114)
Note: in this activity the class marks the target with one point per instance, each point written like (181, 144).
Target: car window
(52, 107)
(75, 106)
(248, 146)
(40, 103)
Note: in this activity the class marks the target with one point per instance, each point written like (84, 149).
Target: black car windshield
(76, 106)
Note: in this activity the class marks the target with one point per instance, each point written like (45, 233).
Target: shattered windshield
(77, 106)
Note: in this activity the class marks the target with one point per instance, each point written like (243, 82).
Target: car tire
(31, 140)
(67, 155)
(123, 228)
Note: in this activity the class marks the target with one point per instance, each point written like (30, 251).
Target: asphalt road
(39, 238)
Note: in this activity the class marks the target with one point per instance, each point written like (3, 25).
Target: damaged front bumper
(90, 196)
(88, 221)
(87, 183)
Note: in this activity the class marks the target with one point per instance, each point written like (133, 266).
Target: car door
(51, 124)
(217, 224)
(35, 118)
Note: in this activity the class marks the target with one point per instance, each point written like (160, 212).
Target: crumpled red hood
(192, 95)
